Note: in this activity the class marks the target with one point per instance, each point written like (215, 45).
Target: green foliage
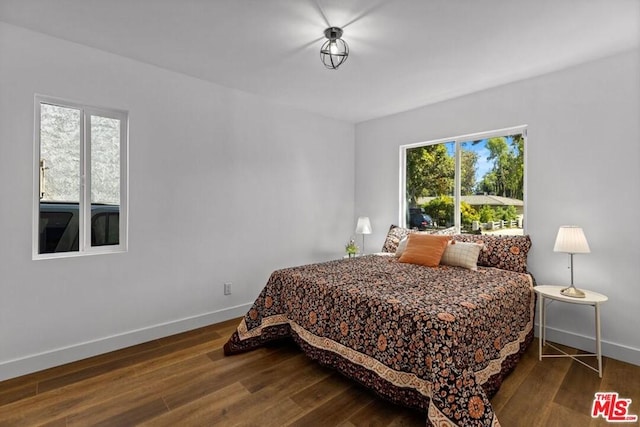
(468, 214)
(351, 247)
(487, 214)
(468, 166)
(499, 213)
(430, 171)
(506, 213)
(507, 176)
(440, 210)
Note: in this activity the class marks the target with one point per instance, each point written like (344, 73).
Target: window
(80, 203)
(472, 183)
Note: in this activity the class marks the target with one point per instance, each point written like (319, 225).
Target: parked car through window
(59, 230)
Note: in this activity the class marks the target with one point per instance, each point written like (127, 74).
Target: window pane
(60, 153)
(492, 185)
(105, 227)
(59, 177)
(113, 229)
(105, 178)
(430, 185)
(105, 160)
(53, 226)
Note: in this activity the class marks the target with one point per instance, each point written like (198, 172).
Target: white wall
(224, 186)
(583, 157)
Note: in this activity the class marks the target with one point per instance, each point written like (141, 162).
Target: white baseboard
(60, 356)
(586, 343)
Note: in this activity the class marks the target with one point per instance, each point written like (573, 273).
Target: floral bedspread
(436, 339)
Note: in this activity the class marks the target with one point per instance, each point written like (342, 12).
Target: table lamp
(571, 240)
(363, 227)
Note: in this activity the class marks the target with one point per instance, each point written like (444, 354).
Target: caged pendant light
(334, 51)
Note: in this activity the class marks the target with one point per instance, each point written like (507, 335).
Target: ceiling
(404, 53)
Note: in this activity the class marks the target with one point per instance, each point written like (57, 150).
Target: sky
(483, 165)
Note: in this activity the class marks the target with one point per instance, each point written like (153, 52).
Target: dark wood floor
(185, 380)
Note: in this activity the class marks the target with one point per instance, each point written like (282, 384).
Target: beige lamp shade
(571, 240)
(363, 226)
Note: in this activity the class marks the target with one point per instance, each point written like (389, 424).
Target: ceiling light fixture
(335, 50)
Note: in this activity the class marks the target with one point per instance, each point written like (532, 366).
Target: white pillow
(402, 245)
(461, 254)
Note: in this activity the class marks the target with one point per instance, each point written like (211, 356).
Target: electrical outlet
(227, 288)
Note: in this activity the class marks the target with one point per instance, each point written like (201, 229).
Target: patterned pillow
(394, 236)
(505, 252)
(462, 254)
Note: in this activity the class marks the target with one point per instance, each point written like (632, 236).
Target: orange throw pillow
(424, 249)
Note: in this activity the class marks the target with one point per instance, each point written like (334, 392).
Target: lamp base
(572, 292)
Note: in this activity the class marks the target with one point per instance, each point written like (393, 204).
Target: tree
(430, 172)
(440, 210)
(487, 214)
(515, 179)
(506, 213)
(499, 150)
(506, 178)
(488, 184)
(468, 166)
(468, 214)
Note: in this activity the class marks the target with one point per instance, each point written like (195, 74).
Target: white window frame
(457, 140)
(84, 208)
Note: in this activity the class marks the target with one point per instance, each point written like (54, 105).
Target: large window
(80, 203)
(472, 183)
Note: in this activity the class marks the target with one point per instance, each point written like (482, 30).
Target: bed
(440, 340)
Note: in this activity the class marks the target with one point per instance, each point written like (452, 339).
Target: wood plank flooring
(185, 380)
